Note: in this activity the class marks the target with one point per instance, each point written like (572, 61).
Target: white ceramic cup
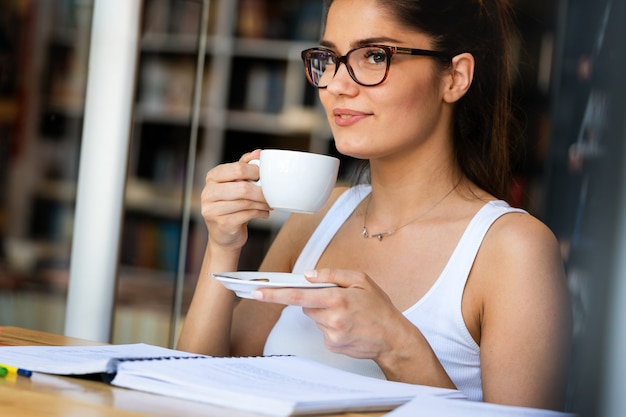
(296, 181)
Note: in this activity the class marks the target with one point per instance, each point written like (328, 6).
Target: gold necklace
(380, 235)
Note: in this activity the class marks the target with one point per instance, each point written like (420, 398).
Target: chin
(356, 152)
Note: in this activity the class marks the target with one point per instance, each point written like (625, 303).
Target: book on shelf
(280, 19)
(151, 243)
(265, 89)
(173, 17)
(270, 385)
(252, 18)
(156, 16)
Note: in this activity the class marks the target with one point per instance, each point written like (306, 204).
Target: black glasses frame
(389, 51)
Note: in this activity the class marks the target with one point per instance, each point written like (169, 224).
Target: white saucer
(244, 283)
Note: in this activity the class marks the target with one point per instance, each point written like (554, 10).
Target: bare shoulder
(294, 235)
(518, 263)
(519, 254)
(520, 237)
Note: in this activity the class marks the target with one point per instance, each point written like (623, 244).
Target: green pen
(3, 371)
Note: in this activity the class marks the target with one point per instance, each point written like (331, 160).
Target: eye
(375, 56)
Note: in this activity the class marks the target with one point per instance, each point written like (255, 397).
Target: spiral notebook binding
(167, 358)
(159, 358)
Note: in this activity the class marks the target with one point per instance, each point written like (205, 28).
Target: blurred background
(569, 95)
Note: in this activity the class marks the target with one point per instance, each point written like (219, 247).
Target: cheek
(324, 99)
(417, 90)
(414, 115)
(401, 110)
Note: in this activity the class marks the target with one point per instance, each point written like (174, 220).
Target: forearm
(411, 359)
(207, 325)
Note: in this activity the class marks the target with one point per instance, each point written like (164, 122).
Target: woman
(439, 281)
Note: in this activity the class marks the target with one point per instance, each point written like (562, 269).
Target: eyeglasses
(367, 65)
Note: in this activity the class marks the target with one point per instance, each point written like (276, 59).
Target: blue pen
(15, 371)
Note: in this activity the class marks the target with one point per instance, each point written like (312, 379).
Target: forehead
(349, 22)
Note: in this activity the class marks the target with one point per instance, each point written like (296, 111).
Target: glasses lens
(320, 66)
(368, 65)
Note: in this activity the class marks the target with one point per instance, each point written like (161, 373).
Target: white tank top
(437, 314)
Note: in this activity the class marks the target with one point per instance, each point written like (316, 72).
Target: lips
(347, 117)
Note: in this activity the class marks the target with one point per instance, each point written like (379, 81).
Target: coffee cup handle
(256, 162)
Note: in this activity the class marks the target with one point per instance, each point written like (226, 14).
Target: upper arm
(253, 320)
(526, 316)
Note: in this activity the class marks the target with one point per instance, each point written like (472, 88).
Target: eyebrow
(361, 42)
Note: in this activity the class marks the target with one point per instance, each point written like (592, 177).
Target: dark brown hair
(483, 140)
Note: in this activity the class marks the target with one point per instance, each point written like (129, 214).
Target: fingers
(318, 297)
(233, 202)
(233, 171)
(303, 297)
(344, 316)
(343, 278)
(230, 183)
(239, 191)
(247, 157)
(352, 316)
(229, 200)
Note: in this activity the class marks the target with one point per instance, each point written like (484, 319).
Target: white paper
(78, 360)
(424, 405)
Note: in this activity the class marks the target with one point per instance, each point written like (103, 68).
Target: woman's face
(393, 118)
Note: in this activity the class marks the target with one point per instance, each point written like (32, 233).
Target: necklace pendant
(378, 236)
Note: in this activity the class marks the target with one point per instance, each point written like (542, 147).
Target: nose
(342, 82)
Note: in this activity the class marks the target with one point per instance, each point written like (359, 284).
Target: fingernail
(311, 274)
(257, 295)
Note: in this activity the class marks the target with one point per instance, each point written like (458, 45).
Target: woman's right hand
(230, 200)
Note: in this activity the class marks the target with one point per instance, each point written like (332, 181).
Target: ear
(459, 80)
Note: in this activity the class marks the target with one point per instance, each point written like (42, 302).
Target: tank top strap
(472, 239)
(343, 207)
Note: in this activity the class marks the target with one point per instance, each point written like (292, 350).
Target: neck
(401, 191)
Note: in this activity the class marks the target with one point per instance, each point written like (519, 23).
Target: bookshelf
(254, 95)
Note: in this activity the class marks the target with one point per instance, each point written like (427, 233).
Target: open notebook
(272, 385)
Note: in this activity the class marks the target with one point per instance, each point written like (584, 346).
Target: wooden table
(52, 396)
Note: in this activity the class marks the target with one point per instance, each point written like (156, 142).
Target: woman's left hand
(356, 317)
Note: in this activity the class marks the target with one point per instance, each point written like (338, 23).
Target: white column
(102, 169)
